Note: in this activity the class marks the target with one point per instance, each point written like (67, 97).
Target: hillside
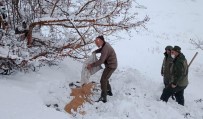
(136, 84)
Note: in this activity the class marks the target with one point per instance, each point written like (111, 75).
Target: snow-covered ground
(135, 96)
(136, 84)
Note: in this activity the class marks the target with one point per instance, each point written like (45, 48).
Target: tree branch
(54, 8)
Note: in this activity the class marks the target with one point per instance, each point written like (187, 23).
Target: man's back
(111, 59)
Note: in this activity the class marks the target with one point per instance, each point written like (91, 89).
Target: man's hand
(89, 66)
(94, 52)
(173, 85)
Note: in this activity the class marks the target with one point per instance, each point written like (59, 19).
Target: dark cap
(177, 49)
(168, 47)
(101, 37)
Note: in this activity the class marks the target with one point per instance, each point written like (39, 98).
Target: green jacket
(179, 71)
(166, 65)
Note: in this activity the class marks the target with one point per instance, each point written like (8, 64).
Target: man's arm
(97, 50)
(162, 67)
(102, 58)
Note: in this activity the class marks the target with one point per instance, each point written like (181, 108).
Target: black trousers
(178, 91)
(105, 86)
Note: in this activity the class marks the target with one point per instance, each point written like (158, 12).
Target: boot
(109, 93)
(104, 100)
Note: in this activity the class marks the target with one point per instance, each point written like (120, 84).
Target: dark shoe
(102, 99)
(109, 93)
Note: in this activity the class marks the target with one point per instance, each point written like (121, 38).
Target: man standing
(108, 57)
(179, 72)
(167, 63)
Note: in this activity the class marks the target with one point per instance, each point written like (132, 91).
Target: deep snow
(137, 83)
(26, 96)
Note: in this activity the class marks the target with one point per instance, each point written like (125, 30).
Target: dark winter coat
(165, 69)
(108, 57)
(179, 71)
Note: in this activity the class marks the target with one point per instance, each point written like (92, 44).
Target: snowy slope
(137, 84)
(171, 23)
(26, 96)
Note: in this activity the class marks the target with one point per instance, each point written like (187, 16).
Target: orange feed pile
(81, 95)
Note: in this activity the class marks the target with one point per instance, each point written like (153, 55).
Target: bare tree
(70, 25)
(197, 43)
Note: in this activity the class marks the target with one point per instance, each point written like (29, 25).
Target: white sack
(85, 74)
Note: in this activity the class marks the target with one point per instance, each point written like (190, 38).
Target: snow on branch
(52, 29)
(197, 43)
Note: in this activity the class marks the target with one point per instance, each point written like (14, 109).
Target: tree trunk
(29, 36)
